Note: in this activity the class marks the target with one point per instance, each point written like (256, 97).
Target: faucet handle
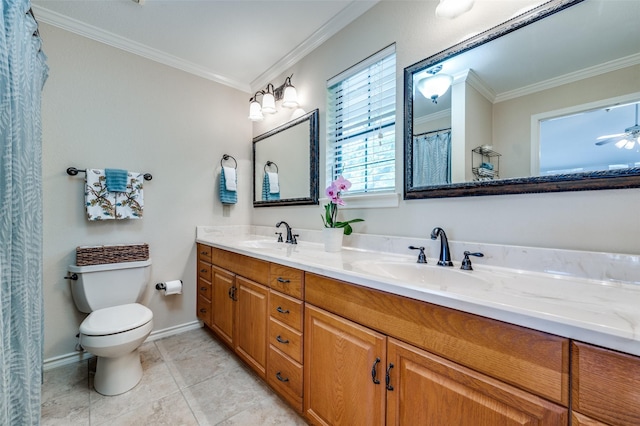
(294, 238)
(422, 258)
(279, 234)
(466, 262)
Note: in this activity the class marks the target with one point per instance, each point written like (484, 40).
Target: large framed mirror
(285, 163)
(544, 102)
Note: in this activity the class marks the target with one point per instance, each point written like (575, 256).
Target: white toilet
(116, 325)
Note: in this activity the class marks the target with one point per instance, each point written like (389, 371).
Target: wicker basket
(97, 255)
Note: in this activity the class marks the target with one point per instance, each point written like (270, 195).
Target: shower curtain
(432, 158)
(23, 71)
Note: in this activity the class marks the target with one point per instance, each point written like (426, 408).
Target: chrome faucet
(445, 256)
(291, 239)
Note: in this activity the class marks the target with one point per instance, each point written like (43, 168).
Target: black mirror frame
(608, 179)
(314, 160)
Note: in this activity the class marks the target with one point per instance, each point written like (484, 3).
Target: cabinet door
(223, 292)
(341, 362)
(251, 324)
(429, 390)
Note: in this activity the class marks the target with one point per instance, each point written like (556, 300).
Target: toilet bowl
(117, 324)
(114, 335)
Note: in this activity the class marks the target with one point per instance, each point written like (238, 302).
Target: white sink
(424, 275)
(262, 244)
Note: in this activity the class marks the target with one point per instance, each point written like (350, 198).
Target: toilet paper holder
(163, 286)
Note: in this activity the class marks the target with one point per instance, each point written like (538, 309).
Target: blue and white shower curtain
(432, 159)
(23, 71)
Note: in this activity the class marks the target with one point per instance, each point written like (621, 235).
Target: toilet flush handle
(73, 277)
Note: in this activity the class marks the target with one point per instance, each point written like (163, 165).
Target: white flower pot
(332, 238)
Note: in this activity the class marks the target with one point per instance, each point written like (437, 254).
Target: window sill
(368, 201)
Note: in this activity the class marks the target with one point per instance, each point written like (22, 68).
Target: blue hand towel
(267, 195)
(116, 180)
(226, 196)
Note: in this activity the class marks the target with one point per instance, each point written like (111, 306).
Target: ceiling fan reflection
(627, 140)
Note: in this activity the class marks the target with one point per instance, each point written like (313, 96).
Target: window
(361, 118)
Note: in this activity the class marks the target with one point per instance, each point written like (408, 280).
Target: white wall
(593, 220)
(103, 107)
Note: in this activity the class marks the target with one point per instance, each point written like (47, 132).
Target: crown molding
(445, 113)
(593, 71)
(335, 24)
(94, 33)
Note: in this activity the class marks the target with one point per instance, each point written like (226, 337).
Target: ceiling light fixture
(451, 9)
(435, 85)
(270, 95)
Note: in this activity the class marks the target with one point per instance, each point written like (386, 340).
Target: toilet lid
(115, 319)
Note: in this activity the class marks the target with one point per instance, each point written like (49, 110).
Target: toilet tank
(110, 284)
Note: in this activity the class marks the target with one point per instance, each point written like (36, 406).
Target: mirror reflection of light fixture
(435, 85)
(453, 8)
(270, 95)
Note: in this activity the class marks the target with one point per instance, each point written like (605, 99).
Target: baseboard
(73, 357)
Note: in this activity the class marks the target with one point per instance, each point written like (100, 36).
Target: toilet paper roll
(172, 287)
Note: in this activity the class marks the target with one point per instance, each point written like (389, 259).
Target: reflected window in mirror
(361, 118)
(606, 138)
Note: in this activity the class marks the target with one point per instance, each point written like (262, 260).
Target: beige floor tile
(172, 410)
(61, 381)
(196, 357)
(225, 395)
(72, 409)
(269, 411)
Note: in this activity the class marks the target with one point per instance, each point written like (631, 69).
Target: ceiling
(240, 43)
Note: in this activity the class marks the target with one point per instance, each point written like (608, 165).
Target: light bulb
(290, 97)
(255, 111)
(268, 104)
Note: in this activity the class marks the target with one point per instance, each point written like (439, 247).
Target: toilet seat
(116, 319)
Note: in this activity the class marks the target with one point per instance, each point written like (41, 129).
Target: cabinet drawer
(286, 309)
(203, 309)
(204, 288)
(605, 384)
(204, 271)
(254, 269)
(286, 339)
(204, 253)
(287, 280)
(284, 373)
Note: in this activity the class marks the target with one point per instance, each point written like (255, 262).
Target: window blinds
(361, 116)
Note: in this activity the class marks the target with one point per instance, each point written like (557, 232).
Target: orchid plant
(330, 217)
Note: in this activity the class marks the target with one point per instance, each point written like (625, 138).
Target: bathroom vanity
(345, 346)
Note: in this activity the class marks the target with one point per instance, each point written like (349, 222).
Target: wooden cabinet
(224, 294)
(425, 389)
(605, 386)
(203, 302)
(251, 324)
(344, 371)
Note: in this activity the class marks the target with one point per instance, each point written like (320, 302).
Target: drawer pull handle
(204, 270)
(232, 293)
(282, 311)
(374, 373)
(203, 289)
(282, 379)
(283, 280)
(281, 340)
(205, 253)
(203, 311)
(388, 377)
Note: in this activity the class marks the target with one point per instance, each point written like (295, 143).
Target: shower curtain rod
(431, 132)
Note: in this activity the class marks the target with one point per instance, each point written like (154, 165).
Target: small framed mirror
(285, 164)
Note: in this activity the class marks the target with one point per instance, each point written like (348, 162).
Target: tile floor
(189, 379)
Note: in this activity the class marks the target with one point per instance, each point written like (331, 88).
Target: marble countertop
(601, 310)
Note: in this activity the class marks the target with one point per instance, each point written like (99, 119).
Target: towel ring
(226, 157)
(269, 164)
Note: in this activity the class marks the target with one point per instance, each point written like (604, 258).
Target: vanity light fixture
(435, 85)
(451, 9)
(270, 95)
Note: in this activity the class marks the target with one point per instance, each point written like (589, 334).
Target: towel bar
(72, 171)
